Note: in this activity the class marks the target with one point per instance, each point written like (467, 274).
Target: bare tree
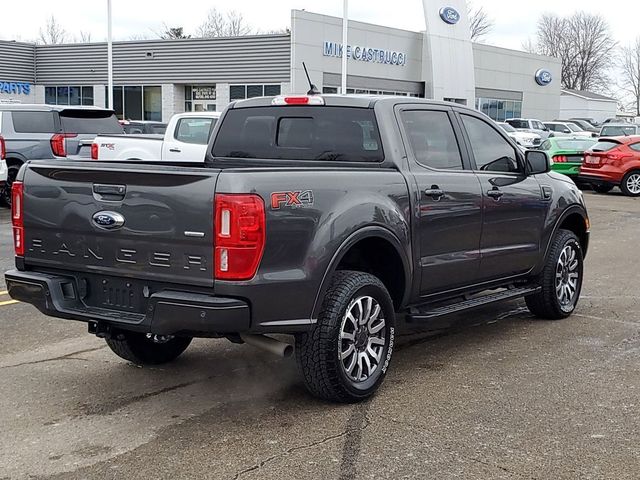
(479, 22)
(173, 33)
(53, 33)
(630, 72)
(217, 24)
(584, 45)
(85, 37)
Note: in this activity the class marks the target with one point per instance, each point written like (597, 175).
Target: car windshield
(617, 130)
(507, 128)
(575, 144)
(573, 128)
(89, 121)
(518, 123)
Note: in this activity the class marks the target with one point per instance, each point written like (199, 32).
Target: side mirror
(537, 162)
(566, 130)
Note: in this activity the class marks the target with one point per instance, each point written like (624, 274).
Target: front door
(188, 142)
(513, 204)
(450, 199)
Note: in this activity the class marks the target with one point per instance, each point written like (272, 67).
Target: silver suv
(37, 132)
(529, 125)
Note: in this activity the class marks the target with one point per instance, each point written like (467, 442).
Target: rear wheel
(560, 280)
(141, 349)
(345, 357)
(631, 184)
(602, 188)
(5, 194)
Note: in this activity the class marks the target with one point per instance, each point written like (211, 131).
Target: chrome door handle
(434, 192)
(495, 193)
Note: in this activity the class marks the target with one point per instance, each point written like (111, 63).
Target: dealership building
(154, 79)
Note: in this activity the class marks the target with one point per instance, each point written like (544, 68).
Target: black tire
(139, 349)
(546, 304)
(5, 192)
(602, 188)
(318, 352)
(630, 185)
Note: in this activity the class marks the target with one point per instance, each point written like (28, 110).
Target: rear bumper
(167, 312)
(598, 180)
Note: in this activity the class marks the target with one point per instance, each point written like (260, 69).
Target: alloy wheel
(567, 277)
(362, 338)
(633, 183)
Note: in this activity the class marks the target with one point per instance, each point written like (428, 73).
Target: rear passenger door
(188, 142)
(512, 203)
(448, 207)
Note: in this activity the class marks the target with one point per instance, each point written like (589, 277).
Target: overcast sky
(515, 20)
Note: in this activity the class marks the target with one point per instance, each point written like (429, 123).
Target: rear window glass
(34, 122)
(604, 146)
(575, 144)
(89, 121)
(300, 133)
(617, 131)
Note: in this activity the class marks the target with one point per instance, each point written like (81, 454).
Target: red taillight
(57, 143)
(559, 159)
(17, 217)
(94, 151)
(298, 100)
(3, 149)
(239, 235)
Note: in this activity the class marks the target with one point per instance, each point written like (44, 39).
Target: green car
(567, 154)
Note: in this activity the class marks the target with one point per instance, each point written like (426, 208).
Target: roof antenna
(313, 90)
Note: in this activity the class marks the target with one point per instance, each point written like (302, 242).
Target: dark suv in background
(49, 131)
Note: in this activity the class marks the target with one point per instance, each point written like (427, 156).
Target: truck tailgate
(73, 212)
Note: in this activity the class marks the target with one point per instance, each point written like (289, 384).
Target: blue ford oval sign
(108, 220)
(449, 15)
(543, 77)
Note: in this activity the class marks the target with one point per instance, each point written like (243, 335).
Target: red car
(613, 162)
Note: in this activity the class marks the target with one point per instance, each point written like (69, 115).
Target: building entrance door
(200, 98)
(203, 106)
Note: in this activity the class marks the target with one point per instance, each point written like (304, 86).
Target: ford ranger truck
(326, 218)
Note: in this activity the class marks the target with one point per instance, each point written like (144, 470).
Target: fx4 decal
(300, 198)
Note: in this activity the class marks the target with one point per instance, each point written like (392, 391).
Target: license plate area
(114, 293)
(591, 160)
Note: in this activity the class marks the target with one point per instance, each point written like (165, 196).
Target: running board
(481, 301)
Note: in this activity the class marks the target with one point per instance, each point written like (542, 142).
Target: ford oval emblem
(449, 15)
(543, 77)
(108, 220)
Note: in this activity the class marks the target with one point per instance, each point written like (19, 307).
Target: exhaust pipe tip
(268, 344)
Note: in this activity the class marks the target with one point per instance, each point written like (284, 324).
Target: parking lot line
(3, 292)
(8, 302)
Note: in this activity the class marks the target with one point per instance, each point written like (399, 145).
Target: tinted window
(300, 133)
(89, 121)
(604, 146)
(537, 125)
(491, 151)
(194, 130)
(432, 139)
(518, 123)
(34, 122)
(575, 144)
(635, 146)
(553, 127)
(617, 131)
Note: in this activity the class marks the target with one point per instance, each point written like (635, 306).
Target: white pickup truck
(185, 140)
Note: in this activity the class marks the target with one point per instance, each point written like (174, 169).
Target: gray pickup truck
(328, 218)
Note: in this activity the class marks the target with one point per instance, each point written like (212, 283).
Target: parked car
(566, 129)
(3, 165)
(185, 139)
(619, 129)
(529, 125)
(524, 139)
(567, 154)
(613, 162)
(321, 217)
(589, 120)
(583, 124)
(48, 132)
(136, 127)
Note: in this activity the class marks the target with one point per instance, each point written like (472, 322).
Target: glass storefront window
(137, 102)
(87, 95)
(133, 102)
(75, 98)
(153, 103)
(237, 92)
(63, 96)
(240, 92)
(50, 95)
(499, 109)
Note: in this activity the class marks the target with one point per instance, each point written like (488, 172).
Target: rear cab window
(518, 123)
(300, 133)
(89, 121)
(195, 130)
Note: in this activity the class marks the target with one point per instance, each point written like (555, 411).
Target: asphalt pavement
(508, 398)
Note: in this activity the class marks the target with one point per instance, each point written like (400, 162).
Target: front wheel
(560, 280)
(141, 349)
(346, 355)
(630, 185)
(5, 192)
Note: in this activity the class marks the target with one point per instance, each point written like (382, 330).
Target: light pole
(109, 59)
(345, 21)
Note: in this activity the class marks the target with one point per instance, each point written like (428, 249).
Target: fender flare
(16, 157)
(362, 234)
(580, 210)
